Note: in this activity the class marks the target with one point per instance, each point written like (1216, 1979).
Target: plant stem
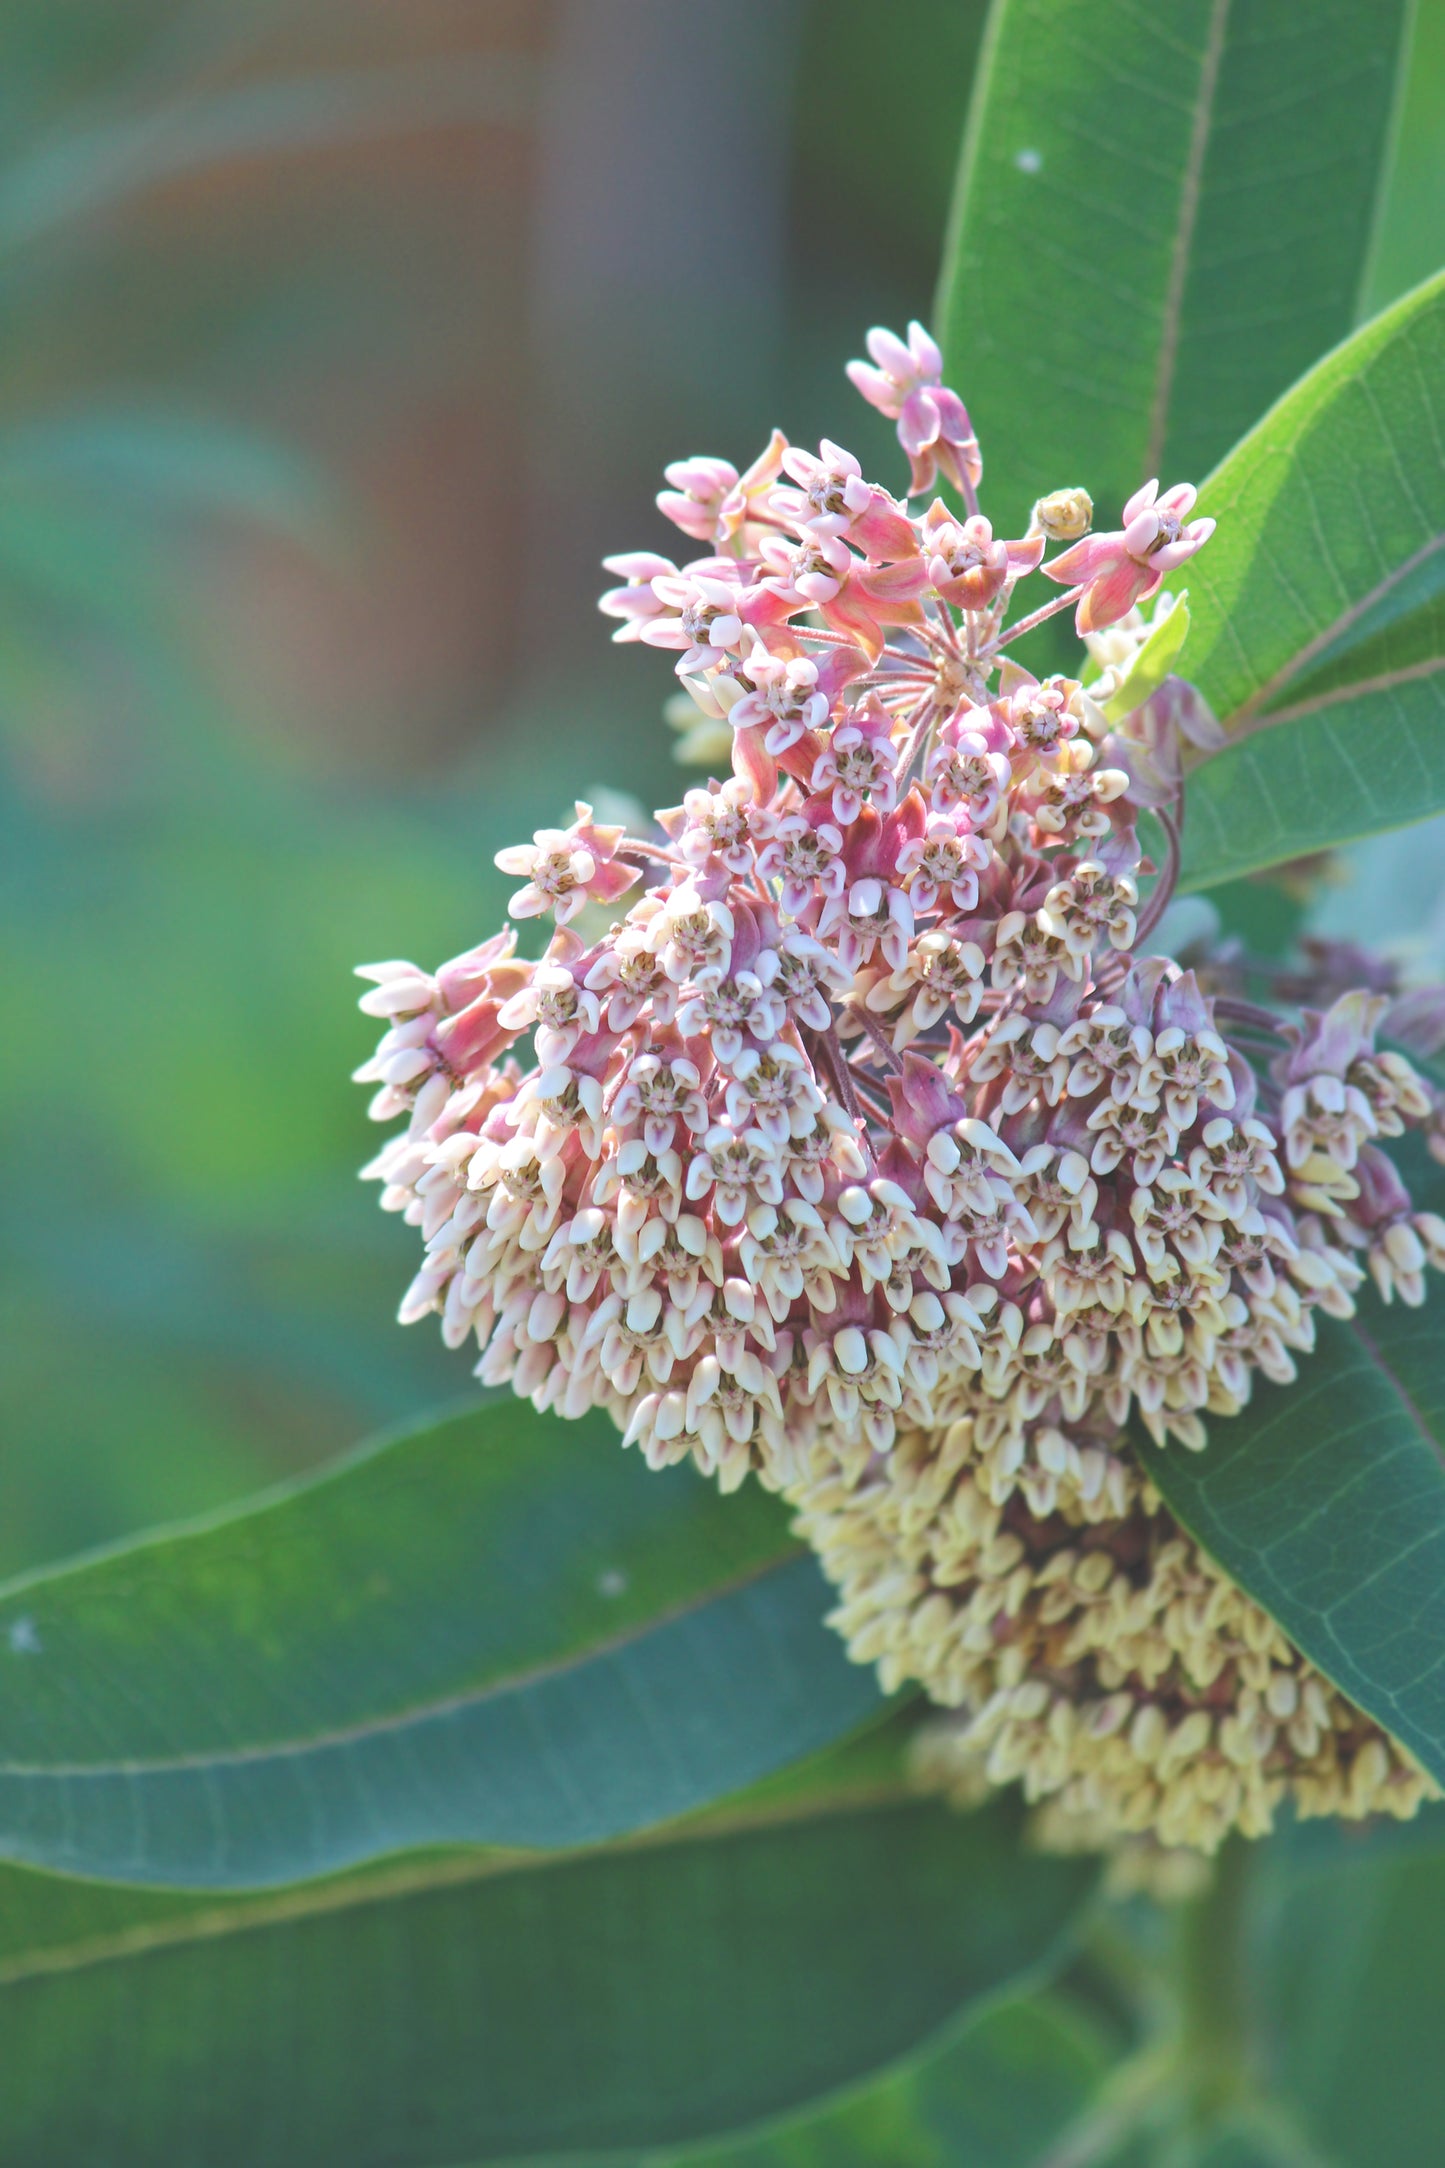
(880, 1039)
(1198, 2066)
(1164, 887)
(1035, 617)
(1139, 2088)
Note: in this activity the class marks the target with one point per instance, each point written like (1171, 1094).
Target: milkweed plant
(929, 1644)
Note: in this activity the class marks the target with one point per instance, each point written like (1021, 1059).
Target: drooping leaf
(1325, 1499)
(453, 2010)
(1163, 216)
(1317, 620)
(499, 1630)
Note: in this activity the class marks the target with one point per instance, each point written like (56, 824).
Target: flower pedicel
(870, 1150)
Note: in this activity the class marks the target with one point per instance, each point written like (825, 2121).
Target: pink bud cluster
(872, 1112)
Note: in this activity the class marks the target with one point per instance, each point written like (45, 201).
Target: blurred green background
(338, 343)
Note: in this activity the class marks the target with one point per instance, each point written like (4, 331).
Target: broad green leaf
(1413, 211)
(1405, 626)
(1163, 216)
(1331, 505)
(1349, 768)
(1325, 1499)
(995, 2096)
(656, 1995)
(1152, 664)
(501, 1630)
(1317, 616)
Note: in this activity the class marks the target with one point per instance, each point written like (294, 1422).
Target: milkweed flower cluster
(870, 1151)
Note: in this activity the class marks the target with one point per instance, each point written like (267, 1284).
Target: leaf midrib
(1190, 189)
(1304, 656)
(1336, 696)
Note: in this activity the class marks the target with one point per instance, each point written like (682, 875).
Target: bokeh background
(338, 342)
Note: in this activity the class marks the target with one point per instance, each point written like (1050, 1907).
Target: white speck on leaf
(1029, 161)
(24, 1637)
(611, 1583)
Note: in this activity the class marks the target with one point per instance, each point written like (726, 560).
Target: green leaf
(1344, 771)
(453, 2010)
(1325, 1499)
(1152, 663)
(993, 2097)
(1413, 211)
(499, 1630)
(1163, 215)
(1317, 615)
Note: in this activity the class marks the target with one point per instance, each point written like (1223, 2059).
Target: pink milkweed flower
(804, 853)
(564, 868)
(945, 861)
(1119, 570)
(906, 384)
(858, 764)
(1040, 718)
(711, 501)
(832, 498)
(853, 597)
(787, 699)
(966, 565)
(714, 821)
(635, 602)
(969, 765)
(875, 911)
(872, 913)
(821, 573)
(699, 500)
(700, 613)
(791, 697)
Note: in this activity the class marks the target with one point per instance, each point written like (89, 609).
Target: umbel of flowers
(865, 1147)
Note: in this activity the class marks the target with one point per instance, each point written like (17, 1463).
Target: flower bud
(1065, 515)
